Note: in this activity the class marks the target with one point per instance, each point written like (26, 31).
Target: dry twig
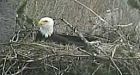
(91, 11)
(76, 31)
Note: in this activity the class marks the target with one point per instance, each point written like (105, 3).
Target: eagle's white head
(46, 26)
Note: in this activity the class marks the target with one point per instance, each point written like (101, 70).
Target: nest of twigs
(28, 57)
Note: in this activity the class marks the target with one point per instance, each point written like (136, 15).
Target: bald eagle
(46, 26)
(46, 32)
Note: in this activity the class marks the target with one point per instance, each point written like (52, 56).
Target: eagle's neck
(46, 30)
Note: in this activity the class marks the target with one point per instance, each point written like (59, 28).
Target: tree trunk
(7, 19)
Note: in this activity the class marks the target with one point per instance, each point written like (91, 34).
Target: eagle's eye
(45, 21)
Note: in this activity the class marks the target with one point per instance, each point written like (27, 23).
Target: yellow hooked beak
(40, 23)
